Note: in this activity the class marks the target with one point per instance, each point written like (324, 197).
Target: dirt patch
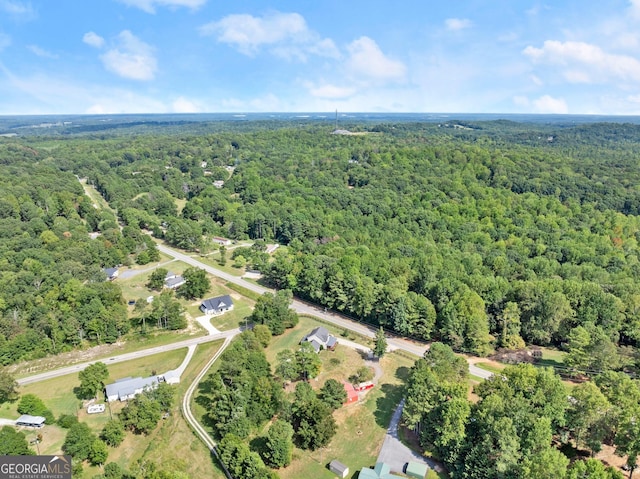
(609, 458)
(65, 359)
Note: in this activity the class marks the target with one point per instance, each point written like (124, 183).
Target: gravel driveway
(396, 454)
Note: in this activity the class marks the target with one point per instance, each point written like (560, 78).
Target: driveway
(205, 322)
(396, 454)
(7, 422)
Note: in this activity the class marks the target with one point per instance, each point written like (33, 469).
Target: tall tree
(78, 442)
(333, 394)
(380, 346)
(279, 445)
(287, 365)
(308, 361)
(8, 387)
(13, 442)
(156, 279)
(92, 379)
(197, 283)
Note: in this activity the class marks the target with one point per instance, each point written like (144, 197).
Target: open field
(212, 260)
(552, 357)
(491, 367)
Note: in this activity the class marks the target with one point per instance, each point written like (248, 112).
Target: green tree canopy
(92, 380)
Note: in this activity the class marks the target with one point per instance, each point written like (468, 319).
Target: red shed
(352, 394)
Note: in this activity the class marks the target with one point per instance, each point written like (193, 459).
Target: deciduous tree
(92, 380)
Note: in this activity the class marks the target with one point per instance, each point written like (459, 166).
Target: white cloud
(327, 90)
(584, 62)
(286, 34)
(93, 39)
(368, 61)
(131, 58)
(16, 8)
(634, 8)
(36, 50)
(457, 24)
(149, 6)
(183, 105)
(548, 104)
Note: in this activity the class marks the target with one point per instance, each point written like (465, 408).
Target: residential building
(128, 388)
(217, 306)
(320, 339)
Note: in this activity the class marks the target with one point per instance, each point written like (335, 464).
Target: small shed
(338, 468)
(352, 394)
(30, 421)
(417, 470)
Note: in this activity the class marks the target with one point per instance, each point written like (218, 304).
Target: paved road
(127, 356)
(302, 307)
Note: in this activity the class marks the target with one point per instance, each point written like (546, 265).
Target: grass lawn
(134, 288)
(551, 358)
(361, 426)
(292, 337)
(212, 260)
(492, 368)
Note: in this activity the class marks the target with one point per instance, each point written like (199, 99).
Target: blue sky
(183, 56)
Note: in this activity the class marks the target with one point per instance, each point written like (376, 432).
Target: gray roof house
(218, 305)
(128, 388)
(320, 339)
(174, 282)
(112, 273)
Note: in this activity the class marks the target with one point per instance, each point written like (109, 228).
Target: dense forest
(482, 235)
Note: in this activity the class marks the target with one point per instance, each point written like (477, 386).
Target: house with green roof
(380, 471)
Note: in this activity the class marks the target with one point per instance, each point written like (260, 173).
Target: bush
(67, 420)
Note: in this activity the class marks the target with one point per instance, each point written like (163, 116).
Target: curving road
(302, 307)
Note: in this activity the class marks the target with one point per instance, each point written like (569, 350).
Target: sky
(210, 56)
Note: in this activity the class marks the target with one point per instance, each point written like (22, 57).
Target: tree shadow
(387, 403)
(77, 391)
(365, 354)
(403, 373)
(259, 445)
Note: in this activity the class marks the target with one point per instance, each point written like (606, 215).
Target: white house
(216, 306)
